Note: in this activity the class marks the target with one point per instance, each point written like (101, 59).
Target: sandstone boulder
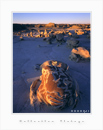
(57, 87)
(82, 52)
(79, 53)
(80, 32)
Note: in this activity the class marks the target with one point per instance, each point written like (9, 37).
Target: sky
(57, 18)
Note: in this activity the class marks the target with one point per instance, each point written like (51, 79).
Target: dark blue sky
(69, 18)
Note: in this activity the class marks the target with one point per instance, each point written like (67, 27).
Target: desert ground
(36, 44)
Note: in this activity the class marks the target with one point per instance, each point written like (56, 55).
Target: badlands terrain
(36, 43)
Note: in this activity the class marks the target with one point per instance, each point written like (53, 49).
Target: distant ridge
(50, 25)
(75, 27)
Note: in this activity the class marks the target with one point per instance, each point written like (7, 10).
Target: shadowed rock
(59, 37)
(74, 35)
(52, 35)
(72, 43)
(88, 36)
(49, 40)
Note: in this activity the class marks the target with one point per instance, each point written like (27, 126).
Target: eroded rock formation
(72, 43)
(50, 25)
(79, 53)
(80, 32)
(60, 37)
(57, 87)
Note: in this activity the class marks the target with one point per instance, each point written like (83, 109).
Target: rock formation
(45, 33)
(69, 33)
(80, 32)
(72, 43)
(74, 35)
(50, 25)
(21, 38)
(59, 37)
(79, 53)
(57, 87)
(31, 34)
(48, 40)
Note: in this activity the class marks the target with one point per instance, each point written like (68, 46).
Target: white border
(90, 54)
(91, 121)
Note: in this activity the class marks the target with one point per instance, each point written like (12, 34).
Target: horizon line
(51, 22)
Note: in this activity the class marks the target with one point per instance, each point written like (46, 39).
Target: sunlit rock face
(50, 25)
(80, 32)
(37, 36)
(79, 53)
(31, 34)
(45, 33)
(69, 33)
(21, 38)
(19, 34)
(57, 87)
(75, 27)
(28, 34)
(82, 52)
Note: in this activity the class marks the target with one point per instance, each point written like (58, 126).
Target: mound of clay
(79, 53)
(57, 87)
(72, 43)
(50, 25)
(75, 27)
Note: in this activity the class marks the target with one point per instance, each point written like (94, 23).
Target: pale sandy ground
(27, 53)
